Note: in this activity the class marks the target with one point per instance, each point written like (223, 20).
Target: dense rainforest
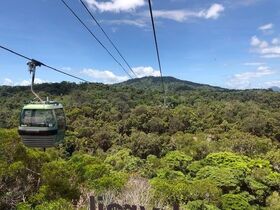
(208, 148)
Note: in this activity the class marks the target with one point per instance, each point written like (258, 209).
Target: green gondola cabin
(42, 124)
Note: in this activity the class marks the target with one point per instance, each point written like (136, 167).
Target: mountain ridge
(171, 83)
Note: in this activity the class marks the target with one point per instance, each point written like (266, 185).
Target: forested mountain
(209, 148)
(172, 84)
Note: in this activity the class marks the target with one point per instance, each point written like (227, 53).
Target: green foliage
(179, 190)
(59, 204)
(24, 206)
(235, 202)
(114, 181)
(124, 161)
(60, 180)
(273, 201)
(98, 175)
(151, 166)
(169, 174)
(176, 160)
(226, 178)
(142, 145)
(226, 159)
(194, 145)
(199, 204)
(274, 157)
(245, 143)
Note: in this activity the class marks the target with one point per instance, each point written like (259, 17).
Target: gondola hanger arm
(32, 69)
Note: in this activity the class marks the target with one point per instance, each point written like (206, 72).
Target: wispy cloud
(272, 83)
(142, 19)
(176, 15)
(266, 27)
(213, 12)
(265, 49)
(253, 64)
(116, 5)
(141, 23)
(243, 80)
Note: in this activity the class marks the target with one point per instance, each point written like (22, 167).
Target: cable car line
(107, 36)
(18, 54)
(92, 34)
(42, 64)
(62, 72)
(156, 45)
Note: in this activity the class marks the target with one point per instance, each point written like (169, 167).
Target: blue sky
(228, 43)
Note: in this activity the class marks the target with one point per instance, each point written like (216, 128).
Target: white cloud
(243, 80)
(263, 45)
(143, 71)
(255, 41)
(213, 12)
(275, 41)
(104, 76)
(109, 77)
(10, 82)
(254, 64)
(260, 72)
(116, 5)
(271, 50)
(271, 56)
(265, 49)
(28, 82)
(272, 83)
(266, 27)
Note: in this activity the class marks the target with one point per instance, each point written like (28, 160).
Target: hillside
(210, 148)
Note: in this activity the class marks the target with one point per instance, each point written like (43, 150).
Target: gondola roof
(47, 105)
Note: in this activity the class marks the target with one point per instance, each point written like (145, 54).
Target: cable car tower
(42, 123)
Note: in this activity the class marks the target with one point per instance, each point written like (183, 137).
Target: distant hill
(171, 83)
(275, 88)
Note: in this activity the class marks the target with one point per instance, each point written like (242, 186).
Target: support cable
(107, 36)
(92, 34)
(42, 64)
(157, 49)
